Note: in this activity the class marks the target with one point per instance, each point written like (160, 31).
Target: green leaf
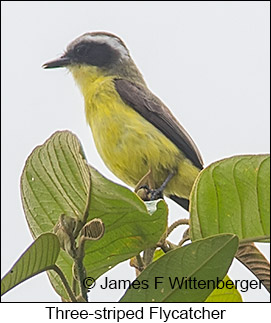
(233, 196)
(224, 293)
(40, 256)
(207, 259)
(129, 228)
(56, 180)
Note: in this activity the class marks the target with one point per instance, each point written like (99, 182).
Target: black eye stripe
(95, 53)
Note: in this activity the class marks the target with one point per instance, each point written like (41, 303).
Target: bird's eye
(81, 50)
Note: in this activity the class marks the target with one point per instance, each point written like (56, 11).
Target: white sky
(208, 61)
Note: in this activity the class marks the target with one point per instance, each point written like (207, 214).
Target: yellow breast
(128, 144)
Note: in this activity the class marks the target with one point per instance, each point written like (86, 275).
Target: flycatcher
(137, 136)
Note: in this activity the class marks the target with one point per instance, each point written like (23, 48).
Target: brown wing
(153, 110)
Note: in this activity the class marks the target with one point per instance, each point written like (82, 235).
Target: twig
(140, 263)
(80, 270)
(148, 256)
(166, 246)
(185, 237)
(176, 224)
(64, 281)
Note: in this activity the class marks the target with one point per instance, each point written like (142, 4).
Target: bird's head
(97, 54)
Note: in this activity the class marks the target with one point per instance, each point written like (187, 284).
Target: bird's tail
(181, 201)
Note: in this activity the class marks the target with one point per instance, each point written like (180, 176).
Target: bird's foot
(147, 194)
(156, 193)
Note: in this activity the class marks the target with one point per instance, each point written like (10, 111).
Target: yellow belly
(129, 145)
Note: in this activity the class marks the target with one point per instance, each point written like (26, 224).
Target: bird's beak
(58, 62)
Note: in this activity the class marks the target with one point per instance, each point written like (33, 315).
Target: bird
(136, 135)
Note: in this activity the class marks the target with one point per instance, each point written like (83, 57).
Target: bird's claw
(148, 194)
(156, 194)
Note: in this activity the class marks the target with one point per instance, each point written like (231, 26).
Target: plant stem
(176, 224)
(166, 246)
(74, 285)
(140, 263)
(185, 237)
(80, 270)
(81, 277)
(183, 241)
(64, 281)
(148, 255)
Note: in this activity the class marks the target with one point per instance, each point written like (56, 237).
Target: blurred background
(208, 61)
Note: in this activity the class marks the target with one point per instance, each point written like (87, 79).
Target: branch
(64, 281)
(176, 224)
